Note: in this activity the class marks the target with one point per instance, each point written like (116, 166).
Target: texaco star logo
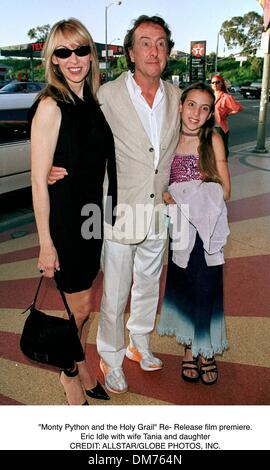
(198, 49)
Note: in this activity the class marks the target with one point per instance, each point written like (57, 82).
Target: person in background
(69, 129)
(192, 308)
(225, 105)
(143, 112)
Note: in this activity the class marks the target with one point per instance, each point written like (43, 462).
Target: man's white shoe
(145, 358)
(115, 380)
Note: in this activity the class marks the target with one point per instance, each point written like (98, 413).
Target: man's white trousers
(124, 266)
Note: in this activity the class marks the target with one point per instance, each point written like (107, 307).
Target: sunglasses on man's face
(215, 83)
(64, 52)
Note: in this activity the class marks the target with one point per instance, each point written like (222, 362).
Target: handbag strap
(33, 304)
(37, 291)
(65, 303)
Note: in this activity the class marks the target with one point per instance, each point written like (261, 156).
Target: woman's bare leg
(81, 307)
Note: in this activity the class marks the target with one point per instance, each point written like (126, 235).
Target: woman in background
(225, 105)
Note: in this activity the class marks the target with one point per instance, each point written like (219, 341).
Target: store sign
(197, 61)
(37, 46)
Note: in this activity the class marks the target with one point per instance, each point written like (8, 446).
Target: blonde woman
(69, 130)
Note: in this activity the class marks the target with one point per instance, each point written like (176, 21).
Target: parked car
(3, 83)
(22, 87)
(252, 91)
(234, 89)
(14, 141)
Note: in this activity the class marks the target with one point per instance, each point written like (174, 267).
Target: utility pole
(260, 146)
(216, 61)
(106, 34)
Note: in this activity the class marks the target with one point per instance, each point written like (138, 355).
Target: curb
(16, 221)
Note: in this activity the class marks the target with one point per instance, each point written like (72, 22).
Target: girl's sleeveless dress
(192, 308)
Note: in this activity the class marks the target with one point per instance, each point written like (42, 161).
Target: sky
(189, 20)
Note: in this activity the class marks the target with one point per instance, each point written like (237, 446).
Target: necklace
(189, 134)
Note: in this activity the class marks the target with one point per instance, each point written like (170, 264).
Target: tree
(244, 31)
(118, 65)
(39, 33)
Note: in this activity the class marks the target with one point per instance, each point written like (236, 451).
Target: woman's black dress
(85, 146)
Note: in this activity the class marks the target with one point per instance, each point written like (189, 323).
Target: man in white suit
(143, 113)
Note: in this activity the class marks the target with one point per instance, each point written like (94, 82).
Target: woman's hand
(56, 173)
(48, 261)
(167, 198)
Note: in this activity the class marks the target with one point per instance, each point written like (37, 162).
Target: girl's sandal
(191, 365)
(209, 366)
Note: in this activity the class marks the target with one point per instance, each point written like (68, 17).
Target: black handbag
(51, 340)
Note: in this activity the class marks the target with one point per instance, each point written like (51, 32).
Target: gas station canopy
(34, 49)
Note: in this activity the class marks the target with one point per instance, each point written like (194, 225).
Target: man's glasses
(215, 83)
(64, 52)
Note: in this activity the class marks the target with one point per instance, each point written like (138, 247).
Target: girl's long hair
(208, 165)
(76, 32)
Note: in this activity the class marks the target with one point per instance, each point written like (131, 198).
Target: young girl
(193, 303)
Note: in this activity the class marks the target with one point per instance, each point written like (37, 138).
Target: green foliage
(23, 66)
(39, 74)
(118, 65)
(243, 31)
(39, 33)
(121, 63)
(250, 71)
(175, 67)
(257, 66)
(228, 64)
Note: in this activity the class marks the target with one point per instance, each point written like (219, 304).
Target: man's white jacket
(140, 184)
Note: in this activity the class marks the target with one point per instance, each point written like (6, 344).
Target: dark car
(22, 87)
(252, 91)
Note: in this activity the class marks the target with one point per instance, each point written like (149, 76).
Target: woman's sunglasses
(64, 52)
(215, 83)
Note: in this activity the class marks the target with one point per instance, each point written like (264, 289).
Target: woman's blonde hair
(76, 33)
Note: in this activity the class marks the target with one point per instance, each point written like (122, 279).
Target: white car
(14, 141)
(22, 87)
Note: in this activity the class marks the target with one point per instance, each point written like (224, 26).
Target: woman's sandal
(72, 373)
(96, 392)
(207, 367)
(191, 365)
